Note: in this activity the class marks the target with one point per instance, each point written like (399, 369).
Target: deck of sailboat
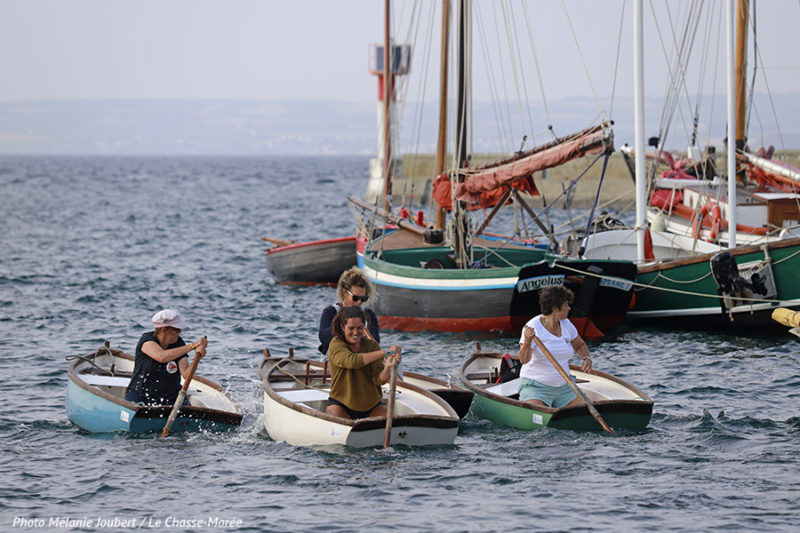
(402, 239)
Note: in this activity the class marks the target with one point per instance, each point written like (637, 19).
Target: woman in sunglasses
(354, 288)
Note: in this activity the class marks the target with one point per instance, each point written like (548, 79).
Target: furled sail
(771, 173)
(483, 186)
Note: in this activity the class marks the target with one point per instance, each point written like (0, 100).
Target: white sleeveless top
(540, 368)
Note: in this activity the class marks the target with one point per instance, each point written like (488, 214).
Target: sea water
(91, 247)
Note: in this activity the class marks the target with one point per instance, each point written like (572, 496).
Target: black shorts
(353, 413)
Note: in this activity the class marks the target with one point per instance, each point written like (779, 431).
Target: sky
(310, 49)
(574, 62)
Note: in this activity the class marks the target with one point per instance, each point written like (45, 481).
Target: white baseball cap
(168, 317)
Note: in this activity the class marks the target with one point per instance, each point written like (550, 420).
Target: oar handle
(192, 370)
(181, 395)
(277, 242)
(578, 392)
(390, 407)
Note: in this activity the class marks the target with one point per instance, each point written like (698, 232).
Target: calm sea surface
(90, 248)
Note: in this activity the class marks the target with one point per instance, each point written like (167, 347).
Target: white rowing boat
(296, 395)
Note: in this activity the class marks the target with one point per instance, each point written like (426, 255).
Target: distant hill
(208, 127)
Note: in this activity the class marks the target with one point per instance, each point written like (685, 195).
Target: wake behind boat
(96, 399)
(622, 405)
(296, 395)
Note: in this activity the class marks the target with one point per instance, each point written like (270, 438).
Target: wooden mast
(733, 67)
(461, 80)
(742, 14)
(387, 123)
(441, 146)
(460, 220)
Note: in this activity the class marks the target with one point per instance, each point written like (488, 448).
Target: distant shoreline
(617, 192)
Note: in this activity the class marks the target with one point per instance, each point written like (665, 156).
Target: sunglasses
(357, 298)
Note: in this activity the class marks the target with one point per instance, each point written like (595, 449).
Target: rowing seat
(114, 381)
(507, 389)
(105, 381)
(292, 376)
(304, 395)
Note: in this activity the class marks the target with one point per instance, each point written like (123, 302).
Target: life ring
(716, 222)
(713, 212)
(697, 225)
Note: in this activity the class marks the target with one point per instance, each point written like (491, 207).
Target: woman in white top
(540, 382)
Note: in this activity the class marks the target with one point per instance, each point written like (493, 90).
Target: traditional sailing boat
(688, 282)
(466, 280)
(690, 200)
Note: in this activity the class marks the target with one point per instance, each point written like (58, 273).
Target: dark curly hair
(551, 298)
(343, 315)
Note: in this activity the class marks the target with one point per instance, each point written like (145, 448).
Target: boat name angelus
(539, 283)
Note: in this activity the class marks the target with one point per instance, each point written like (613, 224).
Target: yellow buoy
(787, 317)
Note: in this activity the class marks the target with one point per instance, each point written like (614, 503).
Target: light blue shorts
(530, 389)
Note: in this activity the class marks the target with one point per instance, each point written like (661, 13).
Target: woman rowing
(161, 360)
(359, 366)
(540, 383)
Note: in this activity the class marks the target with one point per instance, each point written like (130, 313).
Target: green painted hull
(500, 297)
(624, 406)
(685, 290)
(577, 419)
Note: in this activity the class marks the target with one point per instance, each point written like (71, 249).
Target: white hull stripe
(705, 311)
(456, 284)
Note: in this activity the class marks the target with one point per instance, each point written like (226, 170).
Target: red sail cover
(484, 186)
(770, 174)
(441, 192)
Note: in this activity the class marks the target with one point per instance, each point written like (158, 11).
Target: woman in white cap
(160, 355)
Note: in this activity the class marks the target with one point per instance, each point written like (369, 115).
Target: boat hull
(281, 423)
(498, 298)
(621, 405)
(295, 396)
(684, 292)
(96, 404)
(311, 263)
(635, 416)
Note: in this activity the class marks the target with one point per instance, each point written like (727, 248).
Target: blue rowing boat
(96, 399)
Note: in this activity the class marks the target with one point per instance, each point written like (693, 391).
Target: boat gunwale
(701, 258)
(443, 384)
(304, 244)
(361, 424)
(555, 412)
(233, 417)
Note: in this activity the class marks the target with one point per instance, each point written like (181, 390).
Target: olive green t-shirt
(355, 384)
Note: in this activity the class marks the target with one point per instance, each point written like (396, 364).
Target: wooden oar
(277, 242)
(573, 386)
(181, 395)
(390, 407)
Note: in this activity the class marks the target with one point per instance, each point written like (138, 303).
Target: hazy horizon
(309, 127)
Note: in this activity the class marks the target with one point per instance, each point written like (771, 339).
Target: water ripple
(116, 238)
